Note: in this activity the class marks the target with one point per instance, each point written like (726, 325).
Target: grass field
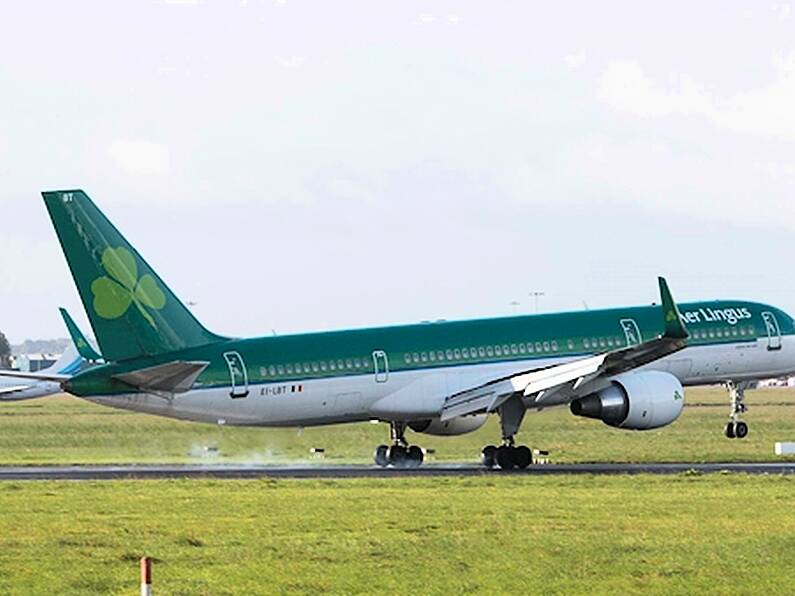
(68, 430)
(544, 534)
(552, 535)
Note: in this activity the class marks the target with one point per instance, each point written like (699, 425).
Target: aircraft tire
(488, 457)
(414, 457)
(397, 456)
(522, 457)
(741, 430)
(382, 456)
(505, 458)
(730, 430)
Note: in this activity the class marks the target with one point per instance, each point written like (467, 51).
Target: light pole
(535, 296)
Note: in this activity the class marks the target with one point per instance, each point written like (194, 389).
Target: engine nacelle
(638, 401)
(456, 426)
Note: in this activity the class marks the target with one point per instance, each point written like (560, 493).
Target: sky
(292, 166)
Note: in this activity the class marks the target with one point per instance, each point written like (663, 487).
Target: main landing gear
(400, 454)
(508, 455)
(736, 428)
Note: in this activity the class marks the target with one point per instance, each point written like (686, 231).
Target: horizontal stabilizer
(173, 377)
(8, 390)
(35, 376)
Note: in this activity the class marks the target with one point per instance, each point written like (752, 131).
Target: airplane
(624, 366)
(77, 355)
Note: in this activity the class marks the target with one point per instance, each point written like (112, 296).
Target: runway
(233, 471)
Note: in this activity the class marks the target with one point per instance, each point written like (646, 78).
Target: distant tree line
(5, 352)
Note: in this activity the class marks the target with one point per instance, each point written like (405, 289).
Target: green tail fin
(81, 343)
(132, 312)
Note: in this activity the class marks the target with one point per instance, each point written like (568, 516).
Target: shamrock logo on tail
(121, 288)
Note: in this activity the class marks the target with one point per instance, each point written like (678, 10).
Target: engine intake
(638, 401)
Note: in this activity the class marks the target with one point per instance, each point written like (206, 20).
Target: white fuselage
(356, 398)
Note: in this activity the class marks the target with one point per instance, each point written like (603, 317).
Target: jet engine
(455, 426)
(637, 401)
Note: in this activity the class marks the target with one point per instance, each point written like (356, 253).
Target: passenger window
(498, 351)
(489, 351)
(323, 366)
(348, 364)
(457, 354)
(711, 333)
(407, 358)
(554, 346)
(570, 345)
(415, 357)
(432, 356)
(424, 356)
(289, 369)
(514, 349)
(332, 366)
(586, 344)
(482, 352)
(280, 369)
(315, 367)
(601, 342)
(505, 349)
(522, 349)
(449, 354)
(465, 352)
(440, 355)
(546, 346)
(538, 346)
(742, 330)
(271, 370)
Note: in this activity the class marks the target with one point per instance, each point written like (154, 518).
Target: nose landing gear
(736, 428)
(400, 454)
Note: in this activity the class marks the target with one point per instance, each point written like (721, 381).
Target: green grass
(67, 430)
(520, 535)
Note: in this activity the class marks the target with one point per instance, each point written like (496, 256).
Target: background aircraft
(77, 356)
(624, 366)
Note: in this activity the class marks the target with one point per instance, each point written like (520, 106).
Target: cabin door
(631, 332)
(773, 331)
(381, 362)
(238, 375)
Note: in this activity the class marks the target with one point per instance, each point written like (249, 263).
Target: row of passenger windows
(477, 352)
(347, 365)
(723, 333)
(504, 350)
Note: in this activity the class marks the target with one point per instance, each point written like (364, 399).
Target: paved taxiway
(116, 472)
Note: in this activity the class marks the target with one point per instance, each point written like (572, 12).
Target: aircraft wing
(572, 375)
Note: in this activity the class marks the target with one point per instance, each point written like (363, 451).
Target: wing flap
(173, 377)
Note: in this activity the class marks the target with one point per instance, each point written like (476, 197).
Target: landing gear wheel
(740, 430)
(414, 457)
(730, 430)
(522, 457)
(382, 456)
(505, 457)
(488, 456)
(398, 455)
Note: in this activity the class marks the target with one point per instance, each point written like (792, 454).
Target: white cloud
(139, 157)
(765, 110)
(575, 60)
